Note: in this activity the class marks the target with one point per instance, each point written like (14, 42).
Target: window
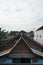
(40, 36)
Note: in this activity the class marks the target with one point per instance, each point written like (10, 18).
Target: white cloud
(20, 13)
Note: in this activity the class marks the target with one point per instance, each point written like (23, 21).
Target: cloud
(30, 6)
(21, 13)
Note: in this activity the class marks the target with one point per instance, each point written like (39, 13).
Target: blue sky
(21, 14)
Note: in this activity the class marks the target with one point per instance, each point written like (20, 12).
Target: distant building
(11, 35)
(23, 32)
(38, 35)
(21, 49)
(31, 34)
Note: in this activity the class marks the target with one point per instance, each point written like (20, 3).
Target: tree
(2, 34)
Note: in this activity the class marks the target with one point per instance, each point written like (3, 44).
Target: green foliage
(2, 34)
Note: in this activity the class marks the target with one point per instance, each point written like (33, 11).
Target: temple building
(21, 49)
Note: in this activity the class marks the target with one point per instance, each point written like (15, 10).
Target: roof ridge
(10, 48)
(33, 50)
(15, 44)
(26, 43)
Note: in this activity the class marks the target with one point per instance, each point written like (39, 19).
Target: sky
(21, 14)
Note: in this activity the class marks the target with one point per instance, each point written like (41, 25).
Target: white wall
(38, 36)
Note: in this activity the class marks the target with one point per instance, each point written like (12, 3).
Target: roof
(33, 41)
(9, 43)
(41, 28)
(8, 46)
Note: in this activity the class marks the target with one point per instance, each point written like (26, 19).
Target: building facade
(38, 35)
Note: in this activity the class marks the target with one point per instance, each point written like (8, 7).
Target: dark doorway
(21, 60)
(25, 60)
(42, 49)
